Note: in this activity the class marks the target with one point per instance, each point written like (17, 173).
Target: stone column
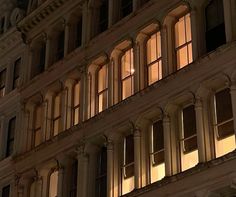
(164, 52)
(110, 82)
(136, 67)
(110, 167)
(200, 131)
(137, 159)
(233, 99)
(167, 145)
(2, 137)
(82, 185)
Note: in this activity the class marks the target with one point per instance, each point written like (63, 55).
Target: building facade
(109, 98)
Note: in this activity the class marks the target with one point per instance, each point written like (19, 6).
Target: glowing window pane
(127, 87)
(56, 106)
(53, 185)
(102, 78)
(76, 116)
(76, 94)
(103, 100)
(180, 32)
(182, 57)
(188, 28)
(127, 71)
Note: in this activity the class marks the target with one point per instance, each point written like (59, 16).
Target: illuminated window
(16, 75)
(225, 138)
(76, 104)
(2, 82)
(38, 126)
(127, 74)
(6, 191)
(154, 64)
(103, 15)
(53, 184)
(157, 152)
(188, 142)
(215, 26)
(183, 41)
(103, 88)
(128, 165)
(56, 114)
(126, 7)
(101, 180)
(11, 136)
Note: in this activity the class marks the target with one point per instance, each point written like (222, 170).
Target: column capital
(198, 102)
(166, 118)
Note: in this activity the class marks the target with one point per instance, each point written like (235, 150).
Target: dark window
(144, 1)
(79, 28)
(129, 156)
(6, 191)
(10, 136)
(101, 185)
(74, 174)
(42, 54)
(215, 27)
(22, 4)
(224, 114)
(2, 24)
(60, 46)
(158, 143)
(103, 16)
(126, 7)
(16, 75)
(189, 126)
(2, 82)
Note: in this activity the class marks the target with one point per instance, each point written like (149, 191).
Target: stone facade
(62, 116)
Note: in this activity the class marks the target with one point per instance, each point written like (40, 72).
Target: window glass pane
(76, 94)
(32, 189)
(76, 116)
(127, 87)
(188, 28)
(223, 106)
(102, 78)
(189, 126)
(38, 116)
(6, 191)
(79, 26)
(37, 137)
(127, 64)
(129, 149)
(182, 57)
(103, 100)
(56, 126)
(180, 38)
(2, 82)
(190, 53)
(57, 106)
(60, 45)
(126, 7)
(152, 49)
(53, 185)
(73, 183)
(103, 16)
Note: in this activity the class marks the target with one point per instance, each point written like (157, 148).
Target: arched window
(154, 63)
(53, 184)
(37, 125)
(102, 89)
(76, 104)
(127, 74)
(56, 120)
(215, 26)
(183, 41)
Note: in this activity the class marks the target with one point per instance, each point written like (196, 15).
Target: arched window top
(147, 31)
(53, 184)
(122, 47)
(95, 65)
(177, 12)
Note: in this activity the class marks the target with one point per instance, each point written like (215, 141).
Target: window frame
(75, 107)
(57, 118)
